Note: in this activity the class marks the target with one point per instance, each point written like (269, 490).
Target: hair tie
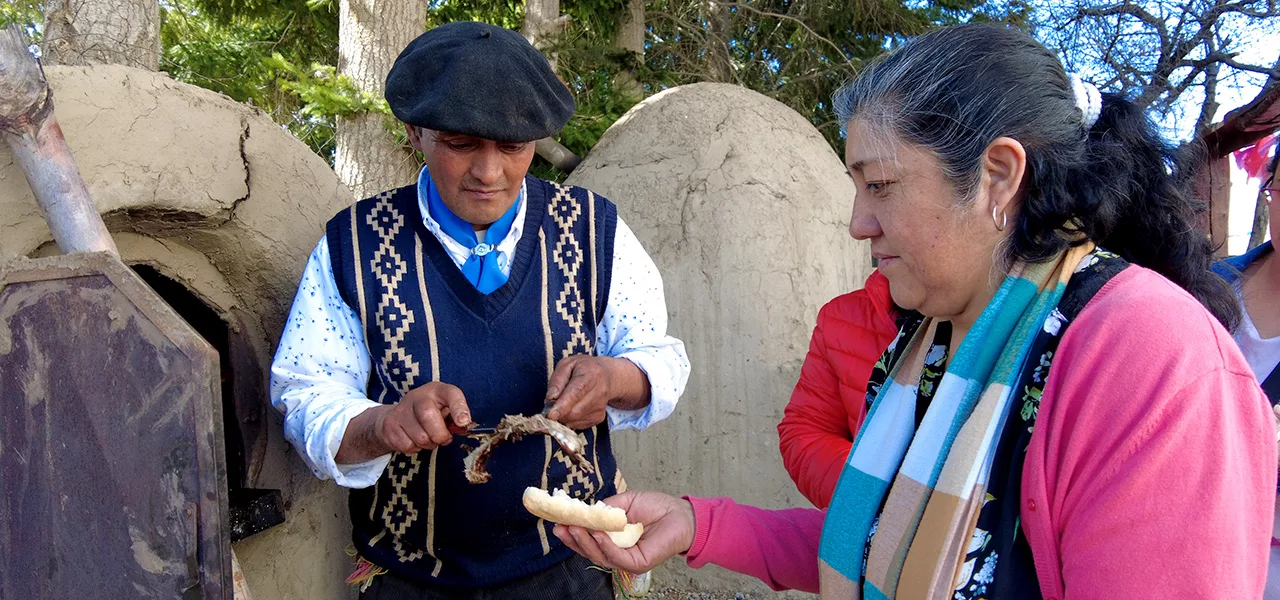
(1088, 100)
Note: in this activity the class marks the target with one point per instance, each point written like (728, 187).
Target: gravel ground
(675, 594)
(678, 588)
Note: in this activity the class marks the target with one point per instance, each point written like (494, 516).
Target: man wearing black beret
(478, 292)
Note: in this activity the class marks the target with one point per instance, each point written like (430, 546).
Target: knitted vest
(425, 322)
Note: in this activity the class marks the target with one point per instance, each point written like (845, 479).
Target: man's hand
(582, 386)
(426, 417)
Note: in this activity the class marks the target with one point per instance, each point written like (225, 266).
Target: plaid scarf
(908, 499)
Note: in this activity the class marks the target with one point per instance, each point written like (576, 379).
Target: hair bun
(1088, 100)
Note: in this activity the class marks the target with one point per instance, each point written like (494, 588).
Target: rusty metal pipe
(555, 153)
(29, 127)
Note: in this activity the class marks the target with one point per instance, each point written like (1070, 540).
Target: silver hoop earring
(1004, 218)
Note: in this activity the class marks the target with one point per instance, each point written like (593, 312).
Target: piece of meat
(514, 427)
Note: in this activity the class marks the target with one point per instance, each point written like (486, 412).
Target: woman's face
(936, 250)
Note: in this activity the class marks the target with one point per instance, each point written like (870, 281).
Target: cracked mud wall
(745, 209)
(215, 195)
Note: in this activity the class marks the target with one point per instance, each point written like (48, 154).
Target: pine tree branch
(765, 13)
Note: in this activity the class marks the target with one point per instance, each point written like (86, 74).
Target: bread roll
(566, 510)
(628, 536)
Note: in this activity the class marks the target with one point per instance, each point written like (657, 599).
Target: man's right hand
(420, 421)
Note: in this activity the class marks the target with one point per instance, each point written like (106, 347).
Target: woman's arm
(778, 547)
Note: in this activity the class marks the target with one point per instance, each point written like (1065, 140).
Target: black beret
(478, 79)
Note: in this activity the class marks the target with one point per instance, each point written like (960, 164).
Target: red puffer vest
(829, 401)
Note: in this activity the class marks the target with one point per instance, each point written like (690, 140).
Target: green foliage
(793, 51)
(503, 13)
(592, 72)
(323, 92)
(279, 55)
(599, 17)
(26, 14)
(273, 54)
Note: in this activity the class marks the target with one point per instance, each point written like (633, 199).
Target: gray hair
(955, 90)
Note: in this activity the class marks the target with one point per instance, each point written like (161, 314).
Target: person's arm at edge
(634, 328)
(318, 375)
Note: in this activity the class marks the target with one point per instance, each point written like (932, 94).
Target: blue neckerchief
(481, 268)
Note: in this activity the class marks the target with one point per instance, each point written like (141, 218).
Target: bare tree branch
(1210, 105)
(1190, 79)
(1156, 50)
(1242, 8)
(1230, 60)
(1275, 73)
(1127, 8)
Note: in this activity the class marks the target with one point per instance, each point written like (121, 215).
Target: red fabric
(829, 401)
(1253, 160)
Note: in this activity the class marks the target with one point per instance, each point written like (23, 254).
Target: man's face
(478, 179)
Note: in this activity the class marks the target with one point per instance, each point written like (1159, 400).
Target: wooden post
(1261, 221)
(29, 127)
(1219, 195)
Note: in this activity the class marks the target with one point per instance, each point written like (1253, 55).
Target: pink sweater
(1151, 473)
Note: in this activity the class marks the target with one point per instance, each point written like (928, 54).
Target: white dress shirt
(322, 366)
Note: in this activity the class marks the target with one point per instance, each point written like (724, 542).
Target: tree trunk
(631, 27)
(630, 38)
(542, 22)
(717, 17)
(1218, 185)
(371, 35)
(1261, 216)
(84, 32)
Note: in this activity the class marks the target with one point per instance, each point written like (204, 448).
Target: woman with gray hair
(1063, 410)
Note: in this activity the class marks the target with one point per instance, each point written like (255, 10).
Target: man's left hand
(583, 385)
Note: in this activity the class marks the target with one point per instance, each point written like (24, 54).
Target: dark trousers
(571, 579)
